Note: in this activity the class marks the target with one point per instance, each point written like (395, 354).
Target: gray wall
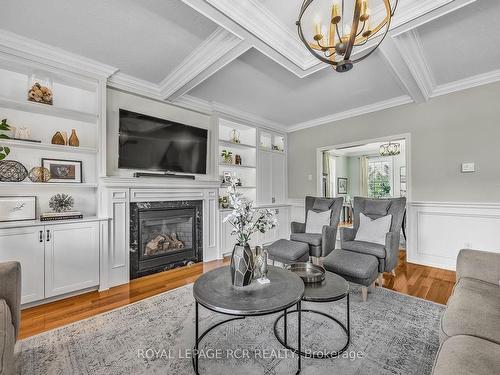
(446, 131)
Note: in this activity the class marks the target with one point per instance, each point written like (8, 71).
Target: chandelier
(349, 25)
(390, 149)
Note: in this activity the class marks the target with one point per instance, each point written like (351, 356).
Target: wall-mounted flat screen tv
(150, 143)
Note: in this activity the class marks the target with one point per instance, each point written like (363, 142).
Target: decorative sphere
(39, 174)
(12, 171)
(61, 202)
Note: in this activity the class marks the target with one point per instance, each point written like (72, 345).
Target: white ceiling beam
(401, 70)
(217, 16)
(193, 77)
(198, 62)
(412, 52)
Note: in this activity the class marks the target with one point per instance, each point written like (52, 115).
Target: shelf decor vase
(58, 139)
(73, 139)
(242, 264)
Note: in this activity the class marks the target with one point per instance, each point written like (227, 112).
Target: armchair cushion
(377, 207)
(309, 238)
(363, 247)
(316, 221)
(298, 227)
(373, 230)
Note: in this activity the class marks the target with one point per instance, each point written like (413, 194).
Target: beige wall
(445, 132)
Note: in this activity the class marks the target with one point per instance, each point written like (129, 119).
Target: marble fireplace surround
(118, 193)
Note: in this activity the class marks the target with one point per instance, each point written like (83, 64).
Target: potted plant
(245, 221)
(4, 151)
(227, 156)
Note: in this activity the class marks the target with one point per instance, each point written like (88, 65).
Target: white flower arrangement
(243, 218)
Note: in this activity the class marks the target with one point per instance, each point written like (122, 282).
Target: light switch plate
(468, 167)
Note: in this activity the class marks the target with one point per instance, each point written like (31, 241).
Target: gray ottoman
(354, 267)
(286, 251)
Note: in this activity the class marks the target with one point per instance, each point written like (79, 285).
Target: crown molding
(125, 82)
(385, 104)
(467, 83)
(218, 44)
(35, 51)
(239, 115)
(194, 103)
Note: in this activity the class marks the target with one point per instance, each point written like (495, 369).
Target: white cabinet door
(265, 180)
(283, 229)
(26, 245)
(278, 178)
(226, 241)
(71, 257)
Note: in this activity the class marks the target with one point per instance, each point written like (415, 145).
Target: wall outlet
(310, 177)
(468, 245)
(468, 167)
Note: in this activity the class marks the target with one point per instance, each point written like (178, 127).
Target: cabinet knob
(41, 236)
(48, 235)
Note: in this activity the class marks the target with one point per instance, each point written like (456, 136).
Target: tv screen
(155, 144)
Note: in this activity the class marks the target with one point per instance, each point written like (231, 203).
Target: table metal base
(333, 354)
(198, 338)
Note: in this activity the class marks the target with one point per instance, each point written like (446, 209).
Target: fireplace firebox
(164, 235)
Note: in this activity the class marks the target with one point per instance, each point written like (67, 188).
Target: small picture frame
(226, 177)
(341, 185)
(63, 171)
(17, 208)
(402, 175)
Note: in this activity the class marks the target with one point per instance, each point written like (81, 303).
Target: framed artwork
(402, 175)
(341, 185)
(226, 179)
(67, 171)
(17, 208)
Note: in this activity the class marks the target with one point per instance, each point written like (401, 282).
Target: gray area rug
(391, 334)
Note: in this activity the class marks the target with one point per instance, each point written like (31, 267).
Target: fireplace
(164, 235)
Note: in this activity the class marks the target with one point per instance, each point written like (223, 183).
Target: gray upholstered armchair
(10, 312)
(387, 254)
(320, 244)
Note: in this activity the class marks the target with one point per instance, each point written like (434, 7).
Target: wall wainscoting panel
(438, 230)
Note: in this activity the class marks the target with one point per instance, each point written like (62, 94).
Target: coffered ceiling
(243, 59)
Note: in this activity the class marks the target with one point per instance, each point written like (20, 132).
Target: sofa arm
(347, 234)
(328, 239)
(391, 250)
(480, 265)
(298, 227)
(10, 290)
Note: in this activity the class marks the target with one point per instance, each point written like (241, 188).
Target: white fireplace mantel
(117, 194)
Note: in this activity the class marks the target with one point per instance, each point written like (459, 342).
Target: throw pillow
(373, 231)
(316, 221)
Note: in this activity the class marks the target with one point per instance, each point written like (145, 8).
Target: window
(380, 177)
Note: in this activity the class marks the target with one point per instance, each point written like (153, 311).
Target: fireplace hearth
(164, 235)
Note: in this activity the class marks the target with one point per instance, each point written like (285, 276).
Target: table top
(332, 288)
(215, 291)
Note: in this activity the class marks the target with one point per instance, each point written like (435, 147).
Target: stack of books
(51, 216)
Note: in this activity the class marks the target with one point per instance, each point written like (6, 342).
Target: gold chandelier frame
(336, 48)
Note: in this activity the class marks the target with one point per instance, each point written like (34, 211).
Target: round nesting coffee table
(333, 288)
(214, 291)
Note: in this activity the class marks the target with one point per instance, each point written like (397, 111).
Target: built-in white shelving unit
(263, 176)
(77, 104)
(246, 148)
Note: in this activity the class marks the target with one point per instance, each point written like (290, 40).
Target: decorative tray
(308, 272)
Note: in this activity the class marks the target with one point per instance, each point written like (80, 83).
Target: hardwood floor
(433, 284)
